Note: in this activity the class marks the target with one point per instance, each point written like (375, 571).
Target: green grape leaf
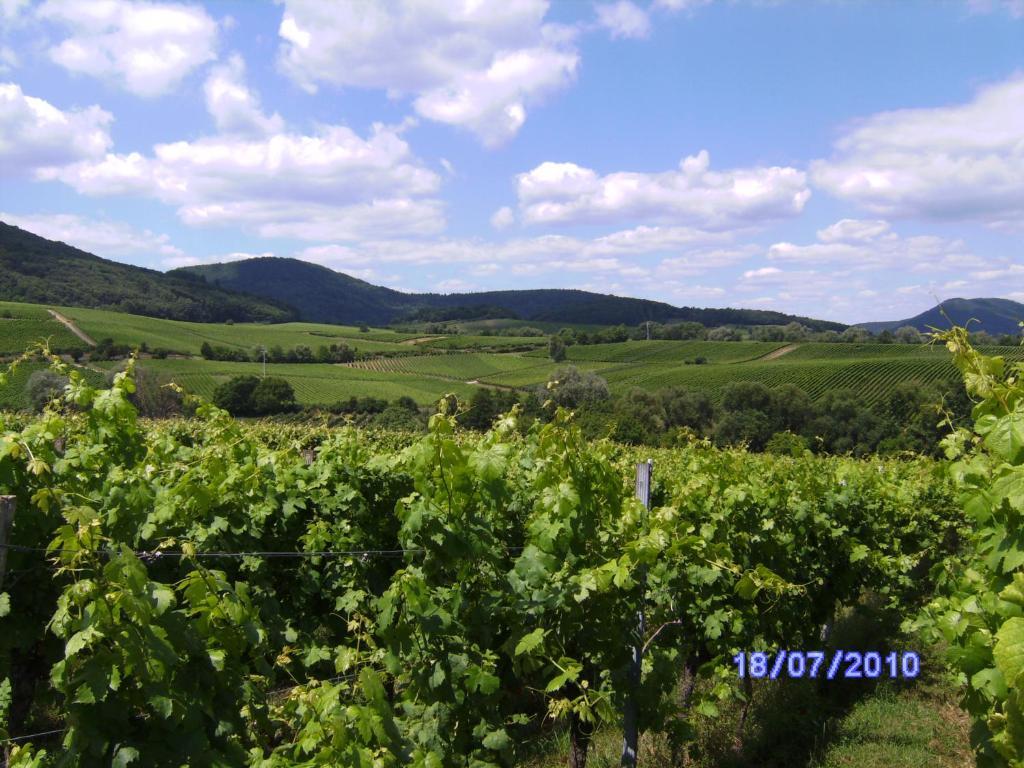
(991, 682)
(1009, 650)
(497, 740)
(530, 642)
(1006, 437)
(1014, 592)
(124, 756)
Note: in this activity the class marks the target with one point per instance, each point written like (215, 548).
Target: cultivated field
(426, 367)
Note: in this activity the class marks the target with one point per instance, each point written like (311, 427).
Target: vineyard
(27, 324)
(426, 367)
(460, 366)
(191, 588)
(187, 338)
(672, 351)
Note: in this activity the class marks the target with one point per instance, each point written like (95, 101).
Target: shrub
(42, 387)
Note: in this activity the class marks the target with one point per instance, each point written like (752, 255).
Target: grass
(314, 384)
(187, 338)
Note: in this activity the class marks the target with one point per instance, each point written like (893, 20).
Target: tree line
(782, 419)
(791, 332)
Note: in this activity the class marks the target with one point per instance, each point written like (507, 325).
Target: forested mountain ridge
(322, 295)
(995, 316)
(40, 271)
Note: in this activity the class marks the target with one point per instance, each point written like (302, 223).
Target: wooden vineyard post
(7, 505)
(630, 717)
(310, 456)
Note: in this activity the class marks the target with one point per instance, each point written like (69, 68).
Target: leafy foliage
(443, 597)
(981, 613)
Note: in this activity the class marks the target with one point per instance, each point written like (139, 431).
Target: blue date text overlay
(831, 665)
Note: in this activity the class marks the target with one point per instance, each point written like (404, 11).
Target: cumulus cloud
(333, 184)
(474, 65)
(233, 106)
(99, 236)
(8, 59)
(958, 162)
(11, 9)
(624, 19)
(503, 217)
(34, 134)
(617, 256)
(855, 246)
(146, 48)
(566, 193)
(681, 5)
(853, 229)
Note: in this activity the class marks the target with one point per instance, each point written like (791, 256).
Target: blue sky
(843, 160)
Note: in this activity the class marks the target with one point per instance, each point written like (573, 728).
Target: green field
(670, 351)
(466, 341)
(460, 366)
(29, 324)
(869, 369)
(187, 338)
(426, 367)
(314, 384)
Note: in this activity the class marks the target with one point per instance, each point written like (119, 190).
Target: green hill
(325, 296)
(996, 316)
(40, 271)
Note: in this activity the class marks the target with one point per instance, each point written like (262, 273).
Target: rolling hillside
(323, 295)
(992, 315)
(40, 271)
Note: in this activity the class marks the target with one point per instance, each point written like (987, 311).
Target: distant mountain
(322, 295)
(40, 271)
(995, 316)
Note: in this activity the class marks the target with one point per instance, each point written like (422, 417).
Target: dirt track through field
(70, 325)
(420, 340)
(776, 353)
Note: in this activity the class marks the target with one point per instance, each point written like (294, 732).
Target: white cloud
(8, 59)
(34, 134)
(503, 217)
(753, 274)
(856, 246)
(853, 229)
(235, 108)
(331, 185)
(618, 255)
(146, 48)
(624, 19)
(476, 65)
(700, 261)
(11, 9)
(454, 285)
(681, 5)
(98, 236)
(565, 193)
(958, 162)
